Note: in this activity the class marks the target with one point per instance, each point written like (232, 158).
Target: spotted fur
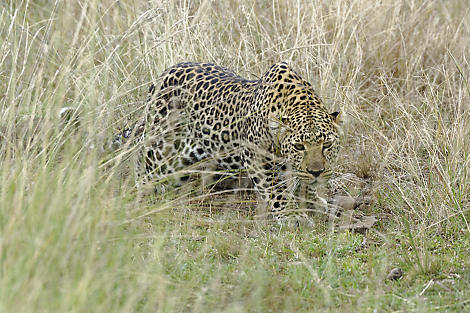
(276, 128)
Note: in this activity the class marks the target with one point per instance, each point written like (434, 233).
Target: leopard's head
(309, 141)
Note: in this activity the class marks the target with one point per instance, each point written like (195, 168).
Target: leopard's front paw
(295, 220)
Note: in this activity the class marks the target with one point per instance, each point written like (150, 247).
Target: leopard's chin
(306, 176)
(309, 178)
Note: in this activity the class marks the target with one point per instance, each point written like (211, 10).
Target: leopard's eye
(299, 146)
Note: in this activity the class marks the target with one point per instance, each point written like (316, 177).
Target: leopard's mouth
(306, 176)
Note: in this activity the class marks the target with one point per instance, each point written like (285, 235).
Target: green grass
(76, 236)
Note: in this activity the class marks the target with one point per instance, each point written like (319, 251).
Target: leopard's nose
(315, 173)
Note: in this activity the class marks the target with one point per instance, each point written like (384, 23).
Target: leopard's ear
(69, 117)
(276, 123)
(336, 117)
(278, 126)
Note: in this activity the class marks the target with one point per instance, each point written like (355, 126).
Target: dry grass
(76, 236)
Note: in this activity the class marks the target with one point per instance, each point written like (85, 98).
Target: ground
(75, 234)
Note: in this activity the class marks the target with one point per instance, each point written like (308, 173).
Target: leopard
(275, 128)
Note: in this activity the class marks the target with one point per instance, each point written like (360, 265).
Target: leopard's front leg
(312, 197)
(275, 187)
